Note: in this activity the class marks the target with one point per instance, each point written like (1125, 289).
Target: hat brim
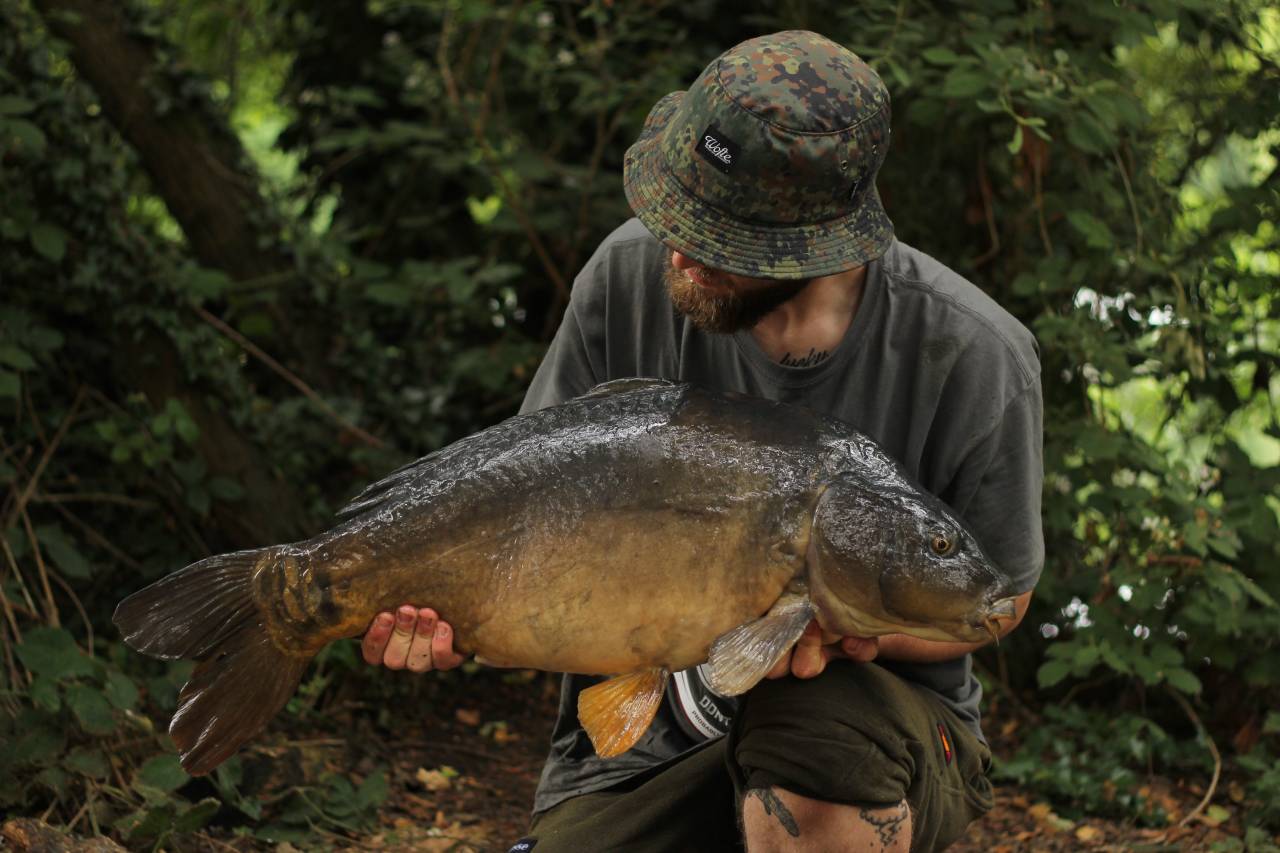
(717, 239)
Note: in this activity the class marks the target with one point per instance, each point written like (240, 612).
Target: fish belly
(628, 589)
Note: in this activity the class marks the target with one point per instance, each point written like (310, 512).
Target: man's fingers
(442, 648)
(861, 649)
(782, 667)
(375, 639)
(401, 637)
(807, 660)
(419, 658)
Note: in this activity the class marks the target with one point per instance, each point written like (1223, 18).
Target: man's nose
(682, 262)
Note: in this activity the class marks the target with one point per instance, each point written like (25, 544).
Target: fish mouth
(1001, 609)
(1004, 608)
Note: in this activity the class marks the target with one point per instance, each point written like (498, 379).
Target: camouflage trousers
(856, 735)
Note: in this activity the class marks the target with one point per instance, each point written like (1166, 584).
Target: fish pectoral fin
(615, 713)
(741, 657)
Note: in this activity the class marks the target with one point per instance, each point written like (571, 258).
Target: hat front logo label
(717, 149)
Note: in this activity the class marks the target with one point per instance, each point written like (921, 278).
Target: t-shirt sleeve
(567, 369)
(586, 350)
(998, 487)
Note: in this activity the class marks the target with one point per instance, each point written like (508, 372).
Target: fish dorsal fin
(377, 493)
(741, 657)
(620, 386)
(616, 712)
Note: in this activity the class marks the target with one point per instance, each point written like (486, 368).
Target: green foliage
(74, 732)
(1109, 177)
(334, 803)
(1094, 763)
(1263, 763)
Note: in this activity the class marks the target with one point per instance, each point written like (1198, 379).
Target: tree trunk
(196, 164)
(198, 167)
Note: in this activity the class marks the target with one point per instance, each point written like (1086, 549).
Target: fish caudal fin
(741, 657)
(207, 612)
(231, 696)
(615, 713)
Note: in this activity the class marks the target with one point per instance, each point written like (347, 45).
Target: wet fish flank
(639, 529)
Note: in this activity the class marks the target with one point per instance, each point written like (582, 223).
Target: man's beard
(726, 313)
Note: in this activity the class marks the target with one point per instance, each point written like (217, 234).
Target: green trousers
(857, 735)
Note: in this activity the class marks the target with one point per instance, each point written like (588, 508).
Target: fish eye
(942, 544)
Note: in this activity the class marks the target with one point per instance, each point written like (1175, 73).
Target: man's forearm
(901, 647)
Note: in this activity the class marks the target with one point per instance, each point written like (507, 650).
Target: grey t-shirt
(931, 368)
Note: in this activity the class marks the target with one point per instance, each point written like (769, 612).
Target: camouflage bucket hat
(766, 166)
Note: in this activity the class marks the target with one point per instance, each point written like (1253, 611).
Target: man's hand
(816, 648)
(411, 638)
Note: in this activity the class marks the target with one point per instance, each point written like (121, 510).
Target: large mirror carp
(640, 529)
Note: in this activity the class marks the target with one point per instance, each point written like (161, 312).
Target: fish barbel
(640, 529)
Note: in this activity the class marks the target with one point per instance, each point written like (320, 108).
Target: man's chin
(710, 312)
(727, 312)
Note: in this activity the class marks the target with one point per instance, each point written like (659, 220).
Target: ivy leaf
(205, 283)
(1113, 659)
(1184, 680)
(964, 83)
(49, 240)
(372, 791)
(1256, 592)
(120, 690)
(12, 105)
(1165, 656)
(10, 384)
(1052, 672)
(87, 762)
(16, 358)
(1084, 132)
(91, 709)
(1096, 233)
(225, 489)
(392, 293)
(44, 693)
(53, 778)
(40, 748)
(1085, 658)
(1146, 670)
(52, 652)
(197, 815)
(940, 55)
(147, 822)
(64, 554)
(899, 72)
(1015, 144)
(483, 211)
(27, 134)
(163, 772)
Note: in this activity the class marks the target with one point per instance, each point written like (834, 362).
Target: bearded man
(762, 261)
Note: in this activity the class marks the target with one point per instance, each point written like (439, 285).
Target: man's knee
(778, 819)
(859, 736)
(837, 738)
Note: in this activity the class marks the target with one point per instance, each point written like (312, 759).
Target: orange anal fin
(615, 713)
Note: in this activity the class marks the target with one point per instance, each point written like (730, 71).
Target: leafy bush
(1108, 176)
(1095, 764)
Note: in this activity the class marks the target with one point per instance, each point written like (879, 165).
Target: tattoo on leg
(774, 806)
(887, 826)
